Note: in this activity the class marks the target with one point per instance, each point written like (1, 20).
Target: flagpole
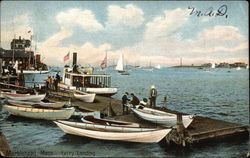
(106, 58)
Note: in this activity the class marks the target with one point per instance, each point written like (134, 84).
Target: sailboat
(103, 64)
(213, 65)
(150, 68)
(158, 66)
(119, 66)
(238, 68)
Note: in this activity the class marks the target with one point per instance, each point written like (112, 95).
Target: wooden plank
(12, 85)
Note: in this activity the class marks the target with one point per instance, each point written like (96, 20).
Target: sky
(156, 32)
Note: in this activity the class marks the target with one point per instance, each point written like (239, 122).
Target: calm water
(214, 93)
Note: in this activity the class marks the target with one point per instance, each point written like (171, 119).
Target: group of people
(133, 100)
(52, 82)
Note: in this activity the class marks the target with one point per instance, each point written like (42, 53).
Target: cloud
(219, 49)
(221, 33)
(130, 15)
(163, 26)
(77, 17)
(54, 40)
(219, 39)
(87, 52)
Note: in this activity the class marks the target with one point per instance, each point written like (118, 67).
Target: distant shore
(188, 66)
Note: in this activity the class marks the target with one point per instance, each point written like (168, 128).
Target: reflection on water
(216, 94)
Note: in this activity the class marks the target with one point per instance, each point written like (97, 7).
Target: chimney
(19, 37)
(74, 59)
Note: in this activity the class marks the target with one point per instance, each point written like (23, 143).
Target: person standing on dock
(47, 82)
(125, 101)
(153, 95)
(57, 80)
(50, 82)
(21, 78)
(135, 101)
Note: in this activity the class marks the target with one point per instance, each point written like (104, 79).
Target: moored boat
(5, 94)
(34, 71)
(102, 91)
(89, 83)
(88, 97)
(161, 117)
(151, 136)
(40, 113)
(40, 104)
(93, 120)
(34, 98)
(120, 66)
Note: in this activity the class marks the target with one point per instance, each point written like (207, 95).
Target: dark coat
(125, 99)
(135, 101)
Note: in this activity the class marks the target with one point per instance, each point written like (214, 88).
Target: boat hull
(161, 117)
(41, 104)
(89, 98)
(39, 113)
(93, 120)
(34, 98)
(142, 137)
(34, 71)
(102, 91)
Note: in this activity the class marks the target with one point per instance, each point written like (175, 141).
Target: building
(239, 64)
(223, 65)
(21, 52)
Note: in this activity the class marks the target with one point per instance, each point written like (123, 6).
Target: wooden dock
(202, 128)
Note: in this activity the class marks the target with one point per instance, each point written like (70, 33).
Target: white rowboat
(40, 113)
(41, 104)
(89, 98)
(34, 98)
(102, 91)
(143, 137)
(91, 119)
(109, 128)
(161, 117)
(5, 94)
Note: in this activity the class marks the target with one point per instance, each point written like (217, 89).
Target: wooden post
(180, 130)
(1, 71)
(165, 101)
(180, 126)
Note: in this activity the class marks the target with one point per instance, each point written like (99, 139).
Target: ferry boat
(86, 81)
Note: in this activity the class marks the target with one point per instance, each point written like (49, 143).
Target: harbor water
(215, 93)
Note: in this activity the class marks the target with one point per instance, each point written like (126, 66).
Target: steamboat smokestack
(74, 59)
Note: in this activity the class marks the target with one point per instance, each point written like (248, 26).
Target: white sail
(213, 65)
(119, 65)
(158, 66)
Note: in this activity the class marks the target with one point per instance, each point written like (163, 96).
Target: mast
(122, 61)
(34, 60)
(106, 59)
(13, 50)
(30, 50)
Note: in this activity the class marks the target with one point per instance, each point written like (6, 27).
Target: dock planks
(201, 128)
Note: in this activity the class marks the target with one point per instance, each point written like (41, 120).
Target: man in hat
(124, 103)
(153, 95)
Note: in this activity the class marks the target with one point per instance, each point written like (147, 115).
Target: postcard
(124, 79)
